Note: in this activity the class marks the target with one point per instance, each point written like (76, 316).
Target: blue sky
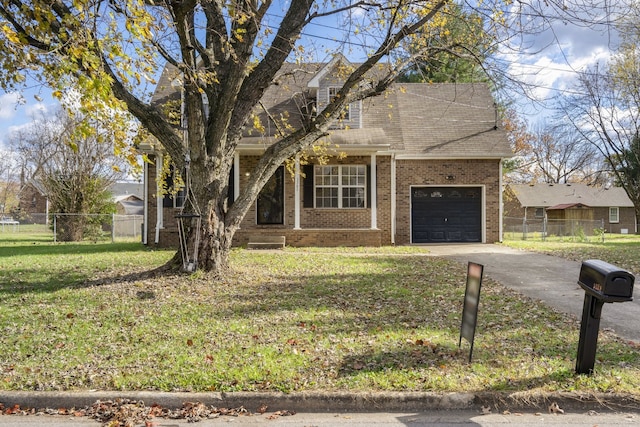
(17, 111)
(548, 62)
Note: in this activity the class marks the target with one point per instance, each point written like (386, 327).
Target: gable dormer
(326, 84)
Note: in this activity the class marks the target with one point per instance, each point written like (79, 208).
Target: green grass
(97, 316)
(618, 249)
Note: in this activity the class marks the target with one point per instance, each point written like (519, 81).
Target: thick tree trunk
(70, 228)
(207, 250)
(215, 244)
(208, 227)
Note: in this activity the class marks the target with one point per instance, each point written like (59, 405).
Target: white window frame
(330, 96)
(324, 181)
(614, 215)
(535, 214)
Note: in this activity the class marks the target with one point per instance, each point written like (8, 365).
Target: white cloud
(35, 109)
(548, 63)
(8, 104)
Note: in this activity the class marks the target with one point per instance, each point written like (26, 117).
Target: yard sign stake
(471, 302)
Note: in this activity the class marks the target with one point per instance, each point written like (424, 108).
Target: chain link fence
(543, 229)
(78, 227)
(96, 227)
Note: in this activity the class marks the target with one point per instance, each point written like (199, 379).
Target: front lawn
(96, 316)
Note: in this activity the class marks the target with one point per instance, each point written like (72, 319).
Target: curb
(322, 402)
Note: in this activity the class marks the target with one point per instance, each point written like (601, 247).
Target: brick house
(422, 164)
(574, 201)
(33, 203)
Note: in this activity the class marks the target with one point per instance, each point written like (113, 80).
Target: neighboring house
(423, 164)
(127, 188)
(572, 201)
(129, 205)
(33, 204)
(129, 197)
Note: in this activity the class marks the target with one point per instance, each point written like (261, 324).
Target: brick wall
(352, 227)
(31, 201)
(626, 219)
(328, 219)
(435, 173)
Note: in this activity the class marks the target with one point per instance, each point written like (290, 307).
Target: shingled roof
(546, 195)
(415, 120)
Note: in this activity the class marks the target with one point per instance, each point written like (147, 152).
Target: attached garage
(446, 214)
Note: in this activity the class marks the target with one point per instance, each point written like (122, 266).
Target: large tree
(561, 155)
(467, 45)
(605, 108)
(229, 53)
(9, 185)
(75, 168)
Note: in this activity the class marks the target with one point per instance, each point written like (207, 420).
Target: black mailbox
(602, 283)
(606, 281)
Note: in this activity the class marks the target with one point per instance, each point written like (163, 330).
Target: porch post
(145, 214)
(373, 192)
(236, 175)
(393, 198)
(296, 192)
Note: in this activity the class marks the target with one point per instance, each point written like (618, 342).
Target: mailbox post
(602, 282)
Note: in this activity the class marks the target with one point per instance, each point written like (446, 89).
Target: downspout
(296, 191)
(159, 208)
(374, 193)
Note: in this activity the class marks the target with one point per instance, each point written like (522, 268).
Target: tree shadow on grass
(27, 280)
(37, 249)
(439, 363)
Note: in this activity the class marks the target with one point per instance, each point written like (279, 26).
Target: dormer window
(333, 92)
(326, 85)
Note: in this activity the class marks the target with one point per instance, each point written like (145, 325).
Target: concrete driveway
(550, 279)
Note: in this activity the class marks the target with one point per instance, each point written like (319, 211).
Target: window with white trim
(340, 186)
(539, 212)
(614, 215)
(333, 92)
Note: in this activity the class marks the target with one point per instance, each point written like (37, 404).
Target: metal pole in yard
(113, 228)
(55, 226)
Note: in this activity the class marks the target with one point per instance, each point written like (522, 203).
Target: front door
(271, 200)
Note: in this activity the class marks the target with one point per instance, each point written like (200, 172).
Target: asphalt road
(551, 280)
(461, 418)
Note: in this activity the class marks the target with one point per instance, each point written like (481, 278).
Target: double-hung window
(340, 186)
(614, 215)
